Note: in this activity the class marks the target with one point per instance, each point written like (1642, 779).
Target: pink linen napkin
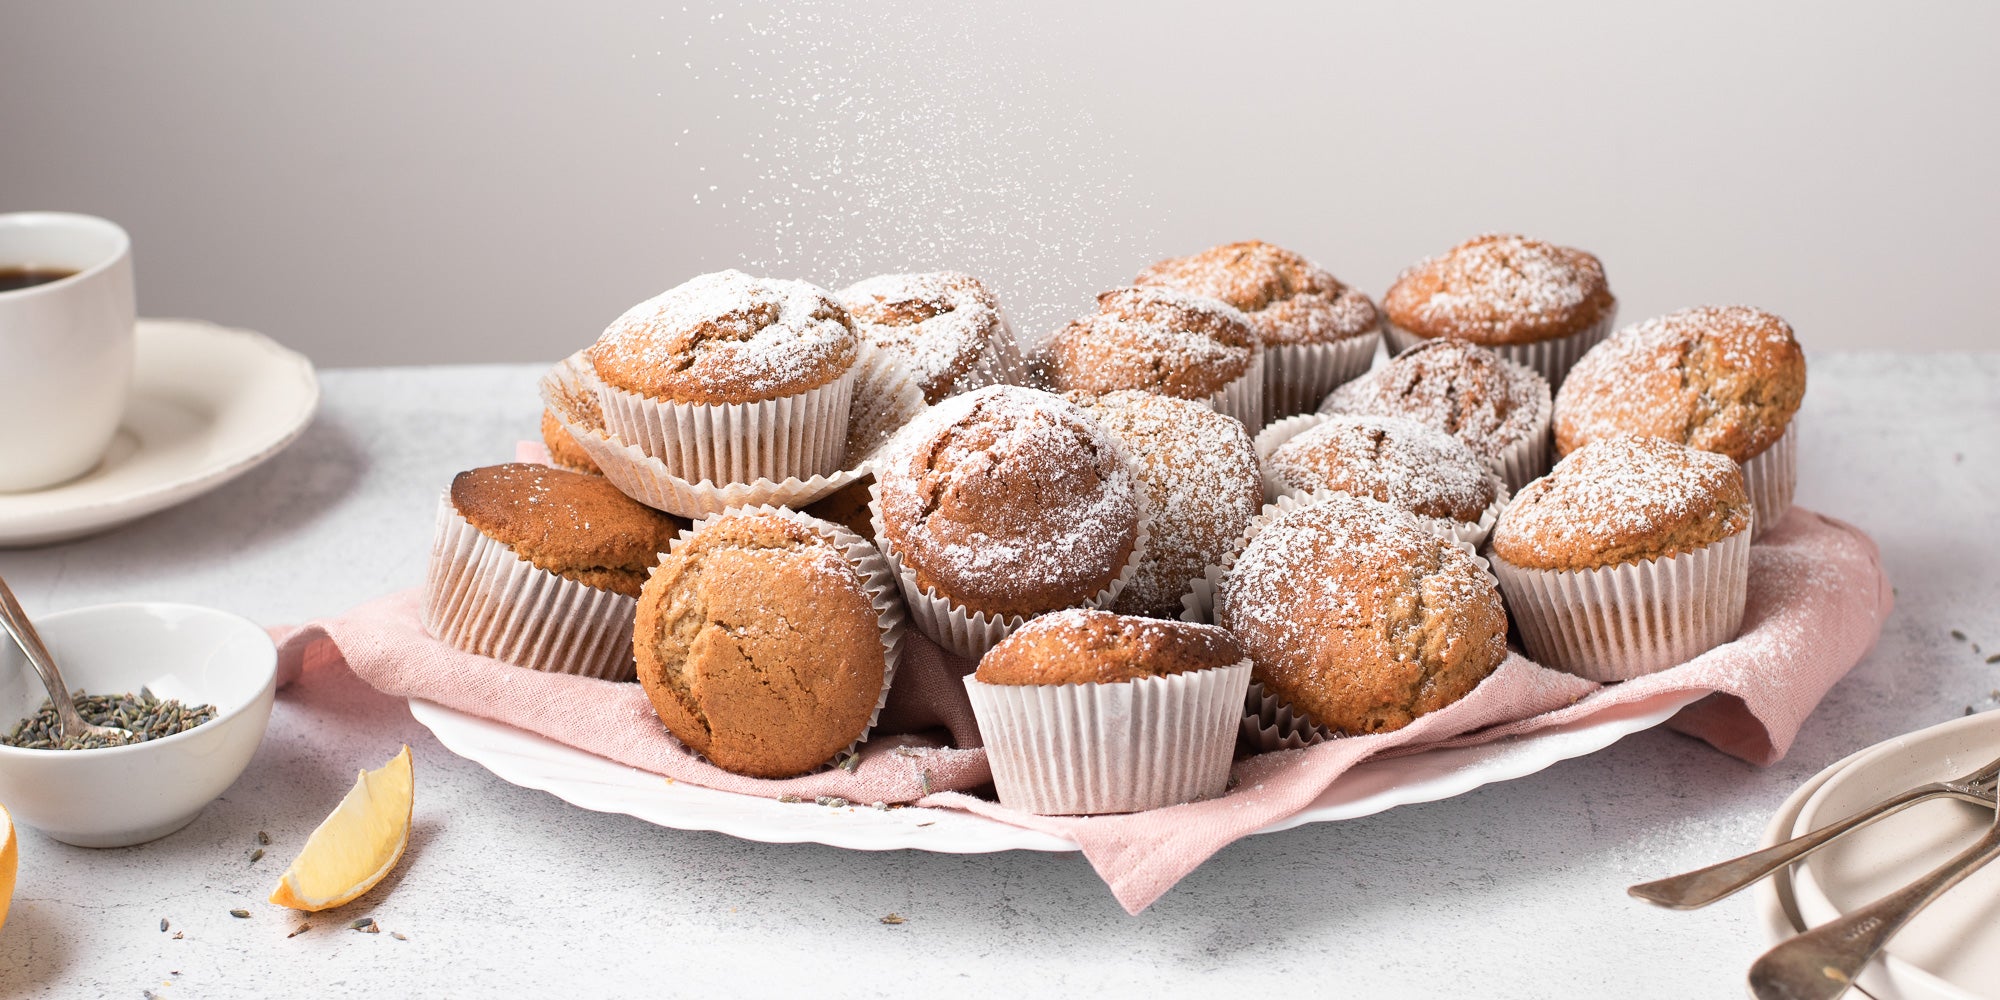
(1817, 601)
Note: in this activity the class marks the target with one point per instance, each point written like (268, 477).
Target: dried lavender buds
(148, 716)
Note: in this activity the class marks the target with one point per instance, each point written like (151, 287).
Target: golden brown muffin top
(1080, 646)
(1157, 339)
(1501, 289)
(1360, 618)
(727, 338)
(1405, 464)
(1287, 298)
(1010, 501)
(563, 449)
(936, 324)
(1726, 379)
(1465, 390)
(1202, 483)
(574, 525)
(758, 646)
(1621, 500)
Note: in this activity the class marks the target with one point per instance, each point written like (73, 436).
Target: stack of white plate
(1952, 949)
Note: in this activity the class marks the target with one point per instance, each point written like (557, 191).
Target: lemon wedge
(356, 845)
(10, 860)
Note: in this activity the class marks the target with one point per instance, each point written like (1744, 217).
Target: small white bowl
(117, 796)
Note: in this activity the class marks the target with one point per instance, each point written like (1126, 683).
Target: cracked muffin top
(1460, 388)
(1157, 339)
(1010, 501)
(1287, 298)
(574, 525)
(727, 338)
(758, 645)
(1082, 646)
(936, 324)
(1400, 462)
(1621, 500)
(1360, 618)
(1500, 288)
(1726, 379)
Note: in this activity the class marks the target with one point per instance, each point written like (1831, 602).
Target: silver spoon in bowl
(73, 726)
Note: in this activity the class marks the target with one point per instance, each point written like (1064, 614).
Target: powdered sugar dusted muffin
(944, 327)
(1087, 711)
(1359, 617)
(1316, 331)
(1008, 502)
(1499, 409)
(1405, 464)
(1630, 556)
(1540, 304)
(1165, 341)
(1726, 379)
(1200, 474)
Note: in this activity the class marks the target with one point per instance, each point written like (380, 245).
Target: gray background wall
(454, 181)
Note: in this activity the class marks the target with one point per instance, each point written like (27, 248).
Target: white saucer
(1951, 950)
(208, 404)
(1777, 904)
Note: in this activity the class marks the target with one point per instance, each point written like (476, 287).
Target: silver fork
(1706, 885)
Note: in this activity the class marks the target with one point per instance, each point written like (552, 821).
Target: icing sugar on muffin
(1358, 617)
(1540, 304)
(1160, 340)
(1010, 502)
(1499, 409)
(1084, 646)
(1201, 478)
(939, 325)
(1405, 464)
(759, 645)
(727, 337)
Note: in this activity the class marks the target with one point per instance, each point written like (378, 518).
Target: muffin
(1405, 464)
(1499, 409)
(944, 328)
(1725, 379)
(728, 378)
(1532, 302)
(538, 566)
(1632, 555)
(1202, 485)
(1006, 503)
(1163, 341)
(762, 642)
(1087, 711)
(564, 452)
(1316, 331)
(1358, 618)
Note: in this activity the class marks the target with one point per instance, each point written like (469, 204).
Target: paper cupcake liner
(1075, 749)
(483, 598)
(1244, 397)
(1618, 622)
(794, 437)
(878, 579)
(1526, 460)
(647, 479)
(1297, 377)
(1551, 358)
(1473, 533)
(886, 398)
(1271, 724)
(1771, 477)
(999, 362)
(970, 633)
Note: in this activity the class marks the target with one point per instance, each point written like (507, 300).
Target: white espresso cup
(65, 346)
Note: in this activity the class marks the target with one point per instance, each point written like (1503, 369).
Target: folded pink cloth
(1817, 602)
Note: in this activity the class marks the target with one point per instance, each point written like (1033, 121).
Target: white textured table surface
(1516, 890)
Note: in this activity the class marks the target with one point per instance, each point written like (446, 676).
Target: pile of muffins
(1193, 522)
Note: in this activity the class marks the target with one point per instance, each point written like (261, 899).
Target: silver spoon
(16, 622)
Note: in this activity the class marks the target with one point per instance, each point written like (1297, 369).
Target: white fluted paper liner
(1077, 749)
(1298, 376)
(1473, 533)
(878, 579)
(886, 398)
(1244, 397)
(1526, 460)
(999, 362)
(483, 598)
(1552, 359)
(1271, 724)
(1771, 477)
(792, 437)
(970, 633)
(1615, 623)
(646, 479)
